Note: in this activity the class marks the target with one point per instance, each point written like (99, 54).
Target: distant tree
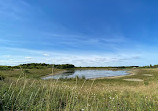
(64, 66)
(43, 65)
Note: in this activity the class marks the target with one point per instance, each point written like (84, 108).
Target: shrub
(2, 77)
(146, 83)
(83, 77)
(26, 71)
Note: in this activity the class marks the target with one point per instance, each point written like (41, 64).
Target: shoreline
(129, 73)
(55, 73)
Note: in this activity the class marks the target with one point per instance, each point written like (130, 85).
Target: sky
(79, 32)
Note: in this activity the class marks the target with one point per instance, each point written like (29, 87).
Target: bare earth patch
(133, 79)
(147, 74)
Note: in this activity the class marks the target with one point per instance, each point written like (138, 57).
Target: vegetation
(66, 66)
(5, 67)
(37, 66)
(22, 89)
(43, 65)
(110, 67)
(2, 77)
(151, 66)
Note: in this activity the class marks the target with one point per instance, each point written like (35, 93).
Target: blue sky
(80, 32)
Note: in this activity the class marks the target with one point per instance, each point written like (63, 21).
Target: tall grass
(77, 95)
(25, 94)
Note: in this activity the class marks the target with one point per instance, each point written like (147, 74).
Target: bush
(2, 77)
(4, 68)
(26, 71)
(146, 83)
(83, 77)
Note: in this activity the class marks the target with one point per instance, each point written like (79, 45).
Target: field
(24, 90)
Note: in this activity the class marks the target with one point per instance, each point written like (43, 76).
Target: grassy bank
(24, 90)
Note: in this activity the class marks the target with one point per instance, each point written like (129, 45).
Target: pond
(87, 74)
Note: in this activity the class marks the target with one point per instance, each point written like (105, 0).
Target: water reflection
(88, 74)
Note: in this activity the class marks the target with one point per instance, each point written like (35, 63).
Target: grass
(26, 91)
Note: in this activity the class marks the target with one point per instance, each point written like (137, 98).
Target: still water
(88, 74)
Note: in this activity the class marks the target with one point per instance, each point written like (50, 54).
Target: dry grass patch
(133, 79)
(147, 74)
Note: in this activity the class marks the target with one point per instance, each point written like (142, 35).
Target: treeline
(64, 66)
(112, 67)
(44, 65)
(37, 66)
(151, 66)
(6, 67)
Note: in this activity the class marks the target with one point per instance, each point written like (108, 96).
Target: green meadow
(24, 90)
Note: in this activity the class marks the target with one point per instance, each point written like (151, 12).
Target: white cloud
(28, 57)
(46, 55)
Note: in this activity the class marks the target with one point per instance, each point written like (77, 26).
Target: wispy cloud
(92, 59)
(82, 41)
(28, 57)
(15, 10)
